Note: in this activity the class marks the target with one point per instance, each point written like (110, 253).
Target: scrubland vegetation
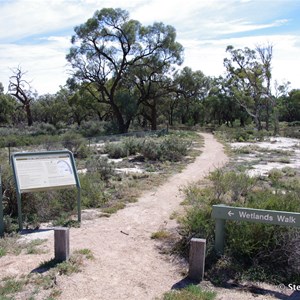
(112, 173)
(256, 252)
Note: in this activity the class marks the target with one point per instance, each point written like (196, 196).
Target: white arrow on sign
(230, 213)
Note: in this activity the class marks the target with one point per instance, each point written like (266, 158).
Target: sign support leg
(79, 204)
(1, 209)
(20, 212)
(219, 236)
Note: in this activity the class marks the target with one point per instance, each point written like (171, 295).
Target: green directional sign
(256, 215)
(222, 212)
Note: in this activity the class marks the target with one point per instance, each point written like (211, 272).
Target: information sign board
(43, 172)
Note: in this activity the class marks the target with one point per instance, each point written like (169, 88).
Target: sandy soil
(127, 262)
(129, 266)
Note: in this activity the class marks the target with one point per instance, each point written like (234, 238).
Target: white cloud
(45, 63)
(208, 55)
(36, 34)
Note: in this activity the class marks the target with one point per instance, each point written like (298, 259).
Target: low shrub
(92, 195)
(132, 145)
(173, 148)
(170, 148)
(191, 292)
(72, 141)
(100, 166)
(115, 150)
(151, 150)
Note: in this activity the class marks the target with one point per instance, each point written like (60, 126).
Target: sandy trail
(128, 266)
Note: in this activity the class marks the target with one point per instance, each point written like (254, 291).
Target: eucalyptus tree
(290, 106)
(109, 46)
(192, 87)
(22, 91)
(7, 107)
(152, 90)
(249, 73)
(221, 106)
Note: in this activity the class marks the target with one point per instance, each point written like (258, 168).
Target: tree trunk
(268, 115)
(276, 122)
(153, 118)
(29, 115)
(122, 127)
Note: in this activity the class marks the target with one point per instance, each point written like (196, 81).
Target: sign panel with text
(256, 215)
(222, 212)
(43, 172)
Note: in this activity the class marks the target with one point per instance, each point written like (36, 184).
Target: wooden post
(197, 259)
(61, 244)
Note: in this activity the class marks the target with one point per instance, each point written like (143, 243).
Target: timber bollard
(61, 244)
(197, 259)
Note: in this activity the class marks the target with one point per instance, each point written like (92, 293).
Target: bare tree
(22, 91)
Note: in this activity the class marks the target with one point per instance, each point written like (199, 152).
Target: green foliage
(170, 148)
(114, 208)
(75, 143)
(92, 186)
(151, 150)
(115, 150)
(11, 245)
(91, 128)
(44, 128)
(101, 166)
(231, 186)
(87, 253)
(239, 134)
(160, 235)
(192, 292)
(173, 148)
(64, 221)
(146, 50)
(132, 145)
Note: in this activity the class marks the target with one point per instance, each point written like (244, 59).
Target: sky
(35, 34)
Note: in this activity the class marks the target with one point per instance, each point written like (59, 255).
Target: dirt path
(129, 266)
(126, 266)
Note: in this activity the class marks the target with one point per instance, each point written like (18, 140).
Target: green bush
(92, 187)
(173, 148)
(100, 166)
(132, 145)
(151, 150)
(170, 148)
(73, 142)
(115, 150)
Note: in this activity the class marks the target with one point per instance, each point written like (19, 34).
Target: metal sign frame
(222, 212)
(43, 155)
